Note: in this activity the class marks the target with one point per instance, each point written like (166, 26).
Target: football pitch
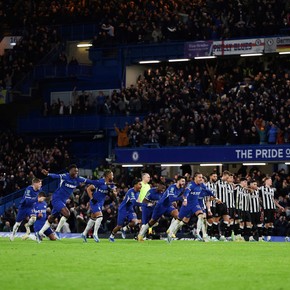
(127, 264)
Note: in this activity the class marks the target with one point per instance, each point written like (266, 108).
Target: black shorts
(244, 216)
(220, 210)
(269, 215)
(232, 212)
(256, 218)
(207, 215)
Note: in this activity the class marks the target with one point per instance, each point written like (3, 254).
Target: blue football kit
(66, 186)
(126, 208)
(164, 205)
(27, 202)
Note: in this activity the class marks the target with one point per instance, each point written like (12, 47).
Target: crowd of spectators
(78, 203)
(201, 107)
(139, 20)
(230, 102)
(131, 22)
(16, 63)
(22, 159)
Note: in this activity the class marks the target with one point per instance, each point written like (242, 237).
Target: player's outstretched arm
(52, 175)
(44, 172)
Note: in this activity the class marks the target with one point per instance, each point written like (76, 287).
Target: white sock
(44, 228)
(172, 226)
(178, 227)
(61, 223)
(90, 224)
(143, 230)
(125, 228)
(15, 228)
(31, 221)
(204, 228)
(199, 223)
(97, 225)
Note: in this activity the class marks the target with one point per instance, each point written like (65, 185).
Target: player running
(152, 197)
(191, 205)
(97, 192)
(164, 206)
(126, 209)
(67, 183)
(26, 206)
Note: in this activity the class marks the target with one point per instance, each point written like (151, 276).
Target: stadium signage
(204, 154)
(262, 153)
(238, 46)
(197, 48)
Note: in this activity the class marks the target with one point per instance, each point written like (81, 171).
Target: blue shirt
(40, 207)
(130, 200)
(153, 194)
(101, 191)
(171, 194)
(194, 192)
(67, 184)
(30, 197)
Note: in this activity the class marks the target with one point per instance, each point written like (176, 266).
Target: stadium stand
(213, 103)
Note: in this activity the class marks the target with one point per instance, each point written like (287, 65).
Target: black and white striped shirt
(221, 192)
(254, 202)
(213, 187)
(230, 202)
(267, 196)
(242, 198)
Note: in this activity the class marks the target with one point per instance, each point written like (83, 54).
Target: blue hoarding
(210, 154)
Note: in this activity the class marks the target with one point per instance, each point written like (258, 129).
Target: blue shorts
(146, 214)
(160, 210)
(125, 214)
(23, 213)
(97, 207)
(57, 206)
(38, 226)
(189, 210)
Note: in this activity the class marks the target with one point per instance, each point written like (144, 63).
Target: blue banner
(210, 154)
(197, 48)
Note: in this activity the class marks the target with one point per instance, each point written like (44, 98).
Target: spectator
(123, 139)
(7, 227)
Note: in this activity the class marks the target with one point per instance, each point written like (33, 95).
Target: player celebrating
(126, 209)
(40, 212)
(152, 197)
(97, 192)
(164, 205)
(191, 204)
(25, 209)
(67, 183)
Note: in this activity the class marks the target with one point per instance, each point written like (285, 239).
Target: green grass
(127, 264)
